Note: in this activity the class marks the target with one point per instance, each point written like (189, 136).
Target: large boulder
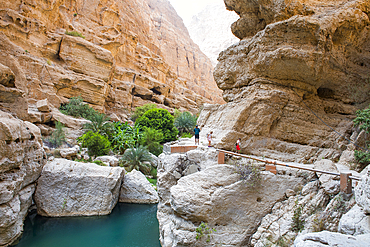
(362, 193)
(354, 222)
(68, 188)
(325, 238)
(137, 189)
(21, 161)
(218, 197)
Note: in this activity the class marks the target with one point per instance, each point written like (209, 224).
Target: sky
(187, 8)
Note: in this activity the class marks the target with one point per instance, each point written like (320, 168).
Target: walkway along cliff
(294, 59)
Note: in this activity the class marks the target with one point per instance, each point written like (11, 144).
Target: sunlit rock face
(294, 57)
(134, 52)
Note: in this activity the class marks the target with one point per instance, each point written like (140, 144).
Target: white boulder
(362, 193)
(354, 222)
(137, 189)
(67, 188)
(108, 160)
(325, 238)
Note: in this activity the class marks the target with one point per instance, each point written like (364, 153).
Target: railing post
(270, 168)
(221, 157)
(346, 182)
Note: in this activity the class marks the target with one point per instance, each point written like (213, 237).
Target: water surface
(129, 225)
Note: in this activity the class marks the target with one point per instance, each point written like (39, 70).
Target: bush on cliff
(159, 119)
(96, 143)
(139, 111)
(76, 108)
(363, 121)
(58, 136)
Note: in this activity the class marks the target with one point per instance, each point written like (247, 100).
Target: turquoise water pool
(129, 225)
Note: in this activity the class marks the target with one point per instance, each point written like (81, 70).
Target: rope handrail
(286, 165)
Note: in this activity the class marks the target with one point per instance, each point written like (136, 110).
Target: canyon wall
(131, 53)
(296, 78)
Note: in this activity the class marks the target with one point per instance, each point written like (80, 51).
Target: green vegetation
(152, 138)
(76, 108)
(74, 33)
(186, 135)
(137, 158)
(99, 123)
(99, 162)
(203, 230)
(153, 181)
(159, 119)
(139, 111)
(58, 137)
(96, 143)
(363, 121)
(125, 136)
(297, 220)
(185, 122)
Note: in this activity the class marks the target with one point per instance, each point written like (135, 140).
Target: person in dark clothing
(196, 132)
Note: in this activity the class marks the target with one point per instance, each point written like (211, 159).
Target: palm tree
(99, 123)
(185, 122)
(137, 158)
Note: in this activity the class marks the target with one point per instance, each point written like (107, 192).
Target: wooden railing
(345, 177)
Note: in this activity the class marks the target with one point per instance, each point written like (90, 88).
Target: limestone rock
(43, 105)
(354, 222)
(331, 239)
(108, 160)
(137, 189)
(126, 45)
(289, 64)
(216, 196)
(21, 161)
(362, 193)
(68, 121)
(68, 153)
(68, 188)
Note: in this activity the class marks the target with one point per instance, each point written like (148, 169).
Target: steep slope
(296, 59)
(134, 52)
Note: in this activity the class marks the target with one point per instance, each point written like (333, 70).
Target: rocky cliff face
(134, 52)
(296, 59)
(21, 161)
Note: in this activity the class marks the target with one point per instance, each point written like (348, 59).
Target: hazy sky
(187, 8)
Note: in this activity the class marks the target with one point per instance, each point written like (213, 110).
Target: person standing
(209, 138)
(196, 132)
(238, 145)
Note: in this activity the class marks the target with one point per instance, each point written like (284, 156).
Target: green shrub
(159, 119)
(100, 124)
(363, 159)
(137, 158)
(76, 108)
(58, 136)
(125, 136)
(151, 139)
(74, 33)
(297, 220)
(97, 144)
(185, 122)
(99, 162)
(139, 111)
(186, 135)
(202, 230)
